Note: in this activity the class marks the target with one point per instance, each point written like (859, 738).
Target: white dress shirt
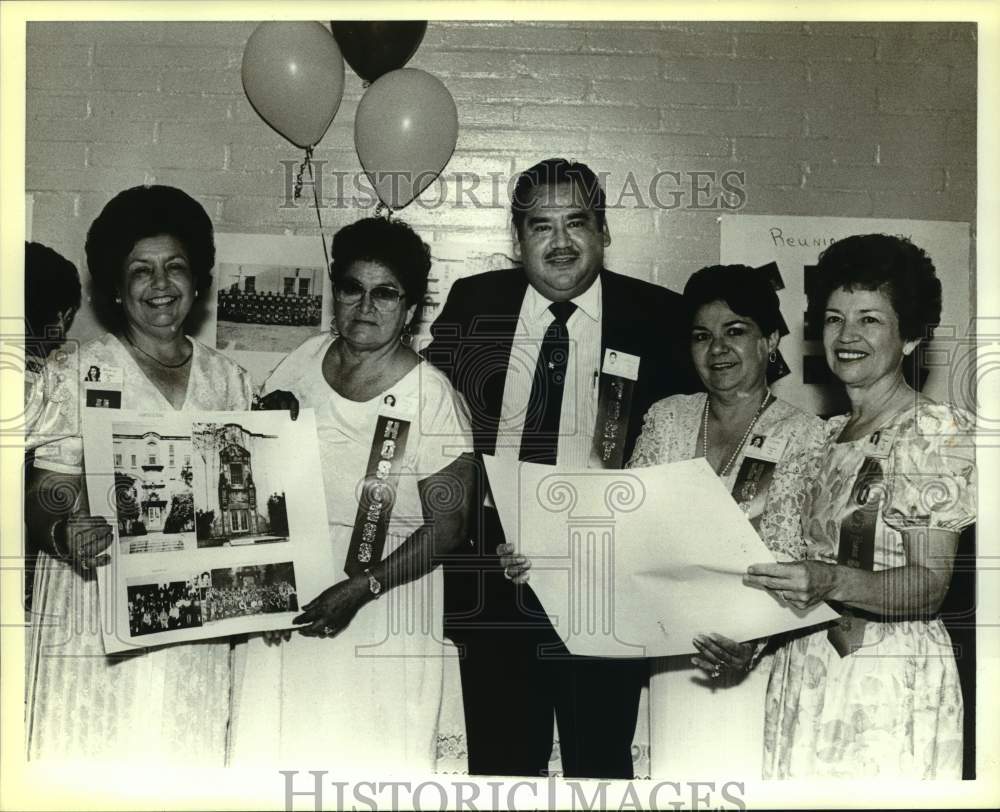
(579, 406)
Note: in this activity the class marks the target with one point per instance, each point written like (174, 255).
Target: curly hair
(391, 243)
(134, 215)
(551, 172)
(747, 291)
(881, 262)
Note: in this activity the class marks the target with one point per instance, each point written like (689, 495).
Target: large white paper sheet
(635, 563)
(219, 521)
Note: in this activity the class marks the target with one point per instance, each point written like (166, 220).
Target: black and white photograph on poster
(762, 143)
(154, 503)
(239, 496)
(266, 307)
(252, 589)
(220, 521)
(165, 606)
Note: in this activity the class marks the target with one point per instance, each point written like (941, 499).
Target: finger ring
(506, 574)
(327, 630)
(86, 563)
(716, 672)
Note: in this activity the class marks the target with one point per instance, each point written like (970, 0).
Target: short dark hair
(747, 291)
(881, 262)
(552, 172)
(141, 212)
(391, 243)
(51, 286)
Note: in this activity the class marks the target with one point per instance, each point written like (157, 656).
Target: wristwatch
(373, 584)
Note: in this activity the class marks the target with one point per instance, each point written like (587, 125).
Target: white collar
(536, 306)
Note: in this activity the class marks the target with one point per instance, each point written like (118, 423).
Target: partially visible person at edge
(51, 300)
(361, 685)
(878, 694)
(150, 254)
(561, 314)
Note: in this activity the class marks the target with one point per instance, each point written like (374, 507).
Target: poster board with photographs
(219, 522)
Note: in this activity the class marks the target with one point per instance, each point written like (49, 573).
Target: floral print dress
(893, 707)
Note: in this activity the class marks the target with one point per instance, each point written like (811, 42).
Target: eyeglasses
(382, 297)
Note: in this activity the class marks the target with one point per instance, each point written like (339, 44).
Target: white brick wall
(834, 118)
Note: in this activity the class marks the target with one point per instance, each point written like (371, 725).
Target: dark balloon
(375, 48)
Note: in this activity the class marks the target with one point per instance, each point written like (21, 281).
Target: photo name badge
(756, 473)
(378, 492)
(102, 386)
(616, 384)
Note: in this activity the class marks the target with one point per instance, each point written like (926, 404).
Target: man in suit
(529, 349)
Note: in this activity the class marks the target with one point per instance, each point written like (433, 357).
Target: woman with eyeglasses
(361, 685)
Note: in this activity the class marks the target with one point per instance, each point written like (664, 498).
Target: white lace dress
(167, 705)
(695, 725)
(893, 708)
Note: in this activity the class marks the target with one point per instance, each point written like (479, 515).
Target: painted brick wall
(823, 119)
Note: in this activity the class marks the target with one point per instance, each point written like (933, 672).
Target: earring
(406, 336)
(772, 356)
(118, 300)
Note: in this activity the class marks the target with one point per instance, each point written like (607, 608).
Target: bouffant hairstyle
(881, 262)
(51, 287)
(138, 213)
(747, 291)
(552, 172)
(391, 243)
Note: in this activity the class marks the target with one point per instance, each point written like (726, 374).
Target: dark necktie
(540, 438)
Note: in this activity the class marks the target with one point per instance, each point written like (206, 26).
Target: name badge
(102, 386)
(623, 364)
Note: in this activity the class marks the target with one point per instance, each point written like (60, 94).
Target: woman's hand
(82, 540)
(331, 612)
(275, 637)
(800, 584)
(717, 654)
(515, 567)
(278, 400)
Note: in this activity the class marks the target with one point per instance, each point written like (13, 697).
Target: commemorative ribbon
(378, 494)
(857, 534)
(616, 387)
(755, 476)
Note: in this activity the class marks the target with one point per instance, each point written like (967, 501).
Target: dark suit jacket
(472, 343)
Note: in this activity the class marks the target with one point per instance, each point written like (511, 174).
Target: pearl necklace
(746, 434)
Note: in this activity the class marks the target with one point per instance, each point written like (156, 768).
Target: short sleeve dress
(169, 705)
(893, 708)
(370, 696)
(670, 434)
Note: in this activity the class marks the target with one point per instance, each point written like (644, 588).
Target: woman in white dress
(150, 253)
(877, 695)
(360, 687)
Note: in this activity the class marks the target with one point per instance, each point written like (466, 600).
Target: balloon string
(302, 168)
(319, 218)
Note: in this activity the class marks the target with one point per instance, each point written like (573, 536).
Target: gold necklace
(746, 434)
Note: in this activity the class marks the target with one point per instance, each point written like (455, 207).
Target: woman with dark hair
(361, 685)
(758, 444)
(150, 254)
(878, 694)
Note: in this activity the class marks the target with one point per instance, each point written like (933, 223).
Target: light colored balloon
(293, 75)
(405, 131)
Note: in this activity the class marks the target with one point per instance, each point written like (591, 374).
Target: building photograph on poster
(154, 504)
(238, 496)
